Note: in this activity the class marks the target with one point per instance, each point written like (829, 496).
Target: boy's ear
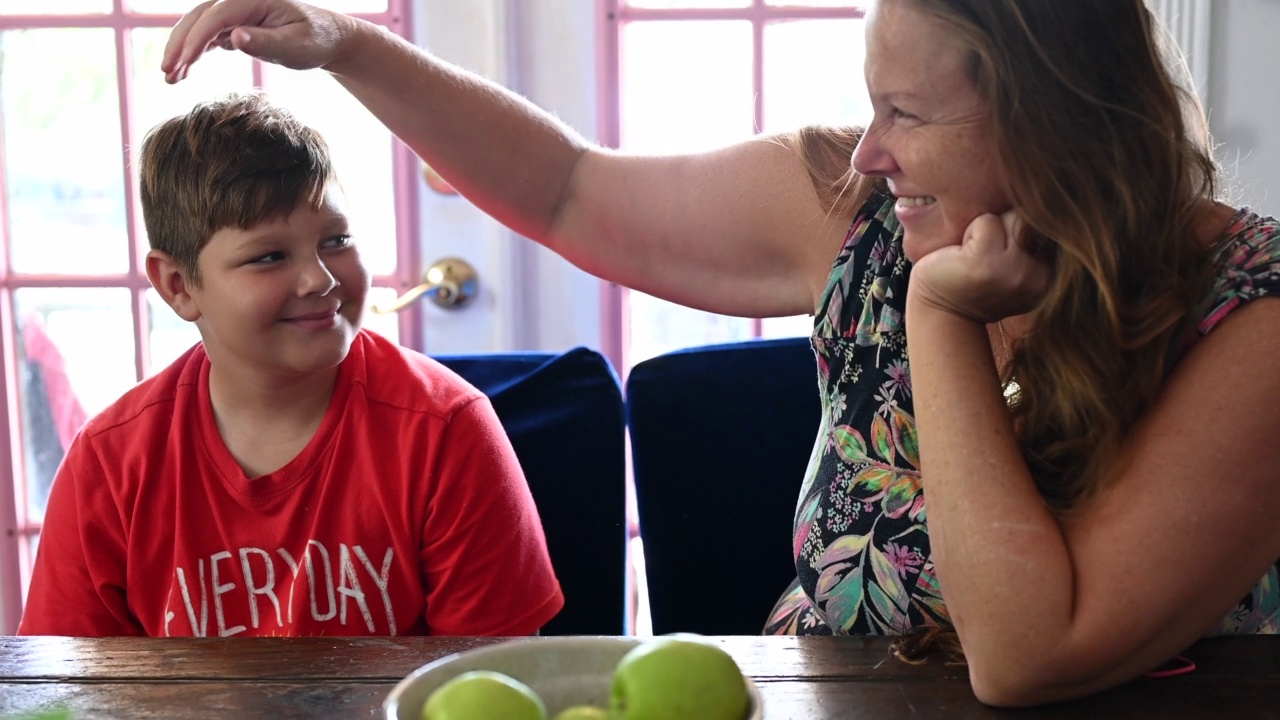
(169, 279)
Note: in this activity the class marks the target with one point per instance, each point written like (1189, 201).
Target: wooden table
(809, 678)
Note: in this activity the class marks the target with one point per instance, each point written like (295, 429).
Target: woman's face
(930, 137)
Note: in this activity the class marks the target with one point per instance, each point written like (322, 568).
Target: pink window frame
(611, 18)
(19, 530)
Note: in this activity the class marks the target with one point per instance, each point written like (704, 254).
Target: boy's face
(284, 297)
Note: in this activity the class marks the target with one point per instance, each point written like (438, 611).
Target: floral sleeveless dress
(861, 543)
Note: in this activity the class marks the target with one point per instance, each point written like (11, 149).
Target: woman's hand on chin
(987, 277)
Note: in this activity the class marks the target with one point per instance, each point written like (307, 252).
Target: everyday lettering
(246, 586)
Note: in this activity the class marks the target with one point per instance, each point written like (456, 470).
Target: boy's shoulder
(152, 400)
(398, 377)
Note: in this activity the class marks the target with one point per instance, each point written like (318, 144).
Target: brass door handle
(451, 283)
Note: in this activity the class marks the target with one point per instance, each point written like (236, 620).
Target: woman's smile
(909, 209)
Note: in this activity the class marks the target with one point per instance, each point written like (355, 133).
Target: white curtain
(1188, 23)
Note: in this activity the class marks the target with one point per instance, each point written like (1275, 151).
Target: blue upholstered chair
(720, 438)
(564, 416)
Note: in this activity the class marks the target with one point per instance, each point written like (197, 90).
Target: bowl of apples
(580, 678)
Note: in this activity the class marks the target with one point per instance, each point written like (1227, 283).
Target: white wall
(1244, 99)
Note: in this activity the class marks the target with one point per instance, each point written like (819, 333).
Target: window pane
(388, 326)
(93, 327)
(62, 144)
(679, 95)
(75, 356)
(813, 74)
(794, 326)
(155, 101)
(361, 148)
(351, 6)
(179, 7)
(50, 411)
(658, 326)
(817, 3)
(61, 7)
(32, 546)
(684, 4)
(795, 95)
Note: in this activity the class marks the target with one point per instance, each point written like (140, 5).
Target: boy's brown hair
(233, 162)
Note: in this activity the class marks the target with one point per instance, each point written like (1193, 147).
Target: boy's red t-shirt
(407, 513)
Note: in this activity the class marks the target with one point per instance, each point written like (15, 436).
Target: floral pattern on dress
(860, 542)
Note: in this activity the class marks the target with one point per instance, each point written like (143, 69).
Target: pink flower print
(905, 560)
(881, 256)
(899, 376)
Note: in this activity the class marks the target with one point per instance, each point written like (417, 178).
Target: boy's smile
(282, 299)
(323, 320)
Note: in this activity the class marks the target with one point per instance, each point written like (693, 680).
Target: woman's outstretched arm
(738, 230)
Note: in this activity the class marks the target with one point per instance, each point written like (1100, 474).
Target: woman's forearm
(511, 159)
(1002, 561)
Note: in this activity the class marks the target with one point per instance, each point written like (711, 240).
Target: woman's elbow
(1022, 687)
(1004, 693)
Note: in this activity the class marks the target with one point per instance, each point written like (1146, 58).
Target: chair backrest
(720, 438)
(564, 416)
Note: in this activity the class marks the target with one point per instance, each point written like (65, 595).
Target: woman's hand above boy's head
(987, 277)
(283, 32)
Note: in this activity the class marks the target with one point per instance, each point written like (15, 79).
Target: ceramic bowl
(563, 671)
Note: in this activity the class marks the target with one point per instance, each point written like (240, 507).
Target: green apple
(484, 695)
(673, 678)
(583, 712)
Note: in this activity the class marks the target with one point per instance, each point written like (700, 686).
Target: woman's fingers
(986, 235)
(223, 41)
(990, 275)
(284, 32)
(213, 23)
(172, 63)
(177, 36)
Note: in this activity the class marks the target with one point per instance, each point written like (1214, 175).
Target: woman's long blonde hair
(1107, 157)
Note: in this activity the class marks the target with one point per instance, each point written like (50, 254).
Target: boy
(291, 474)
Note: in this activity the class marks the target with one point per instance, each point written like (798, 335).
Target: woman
(1033, 213)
